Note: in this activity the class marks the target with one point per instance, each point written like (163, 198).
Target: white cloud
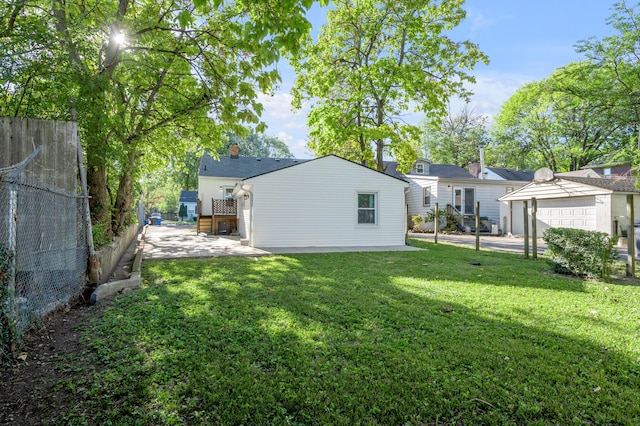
(297, 146)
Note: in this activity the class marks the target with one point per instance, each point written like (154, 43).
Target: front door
(464, 200)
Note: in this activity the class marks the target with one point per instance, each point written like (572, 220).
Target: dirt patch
(30, 390)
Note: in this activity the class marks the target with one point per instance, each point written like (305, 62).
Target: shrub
(431, 215)
(581, 253)
(417, 223)
(100, 236)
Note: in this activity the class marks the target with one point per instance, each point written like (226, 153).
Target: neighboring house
(327, 201)
(190, 200)
(450, 185)
(594, 204)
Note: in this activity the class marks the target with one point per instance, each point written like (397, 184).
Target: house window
(607, 173)
(426, 196)
(367, 208)
(227, 192)
(420, 168)
(509, 189)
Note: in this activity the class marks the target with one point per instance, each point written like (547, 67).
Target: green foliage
(183, 212)
(186, 73)
(431, 215)
(417, 222)
(558, 123)
(327, 339)
(456, 139)
(100, 235)
(371, 61)
(258, 145)
(582, 253)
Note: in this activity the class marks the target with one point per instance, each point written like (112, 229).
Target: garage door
(578, 213)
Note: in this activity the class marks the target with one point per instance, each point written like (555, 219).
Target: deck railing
(224, 207)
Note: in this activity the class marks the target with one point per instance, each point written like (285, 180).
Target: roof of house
(242, 167)
(188, 196)
(245, 167)
(445, 171)
(513, 174)
(615, 185)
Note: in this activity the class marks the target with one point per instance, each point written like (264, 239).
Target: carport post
(534, 228)
(525, 211)
(631, 239)
(436, 225)
(477, 225)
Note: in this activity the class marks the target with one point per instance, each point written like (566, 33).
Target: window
(607, 173)
(426, 199)
(367, 208)
(509, 189)
(227, 192)
(420, 168)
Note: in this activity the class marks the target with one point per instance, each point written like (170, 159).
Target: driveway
(170, 241)
(512, 244)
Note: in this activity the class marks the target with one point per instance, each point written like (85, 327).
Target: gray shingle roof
(616, 185)
(439, 170)
(512, 174)
(242, 167)
(188, 196)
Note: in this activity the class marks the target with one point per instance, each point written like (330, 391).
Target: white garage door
(578, 213)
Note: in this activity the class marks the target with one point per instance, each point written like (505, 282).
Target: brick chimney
(234, 150)
(474, 169)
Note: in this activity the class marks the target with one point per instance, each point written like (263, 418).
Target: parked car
(155, 219)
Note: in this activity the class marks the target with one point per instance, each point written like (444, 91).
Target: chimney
(234, 150)
(474, 169)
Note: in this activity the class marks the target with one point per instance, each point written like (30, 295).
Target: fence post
(477, 225)
(525, 211)
(436, 225)
(534, 228)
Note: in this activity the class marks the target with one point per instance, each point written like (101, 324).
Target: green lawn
(365, 338)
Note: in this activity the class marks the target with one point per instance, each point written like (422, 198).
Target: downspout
(406, 217)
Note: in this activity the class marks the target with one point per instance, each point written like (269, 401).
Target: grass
(364, 338)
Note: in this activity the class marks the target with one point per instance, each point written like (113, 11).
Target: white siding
(486, 192)
(619, 210)
(314, 204)
(209, 188)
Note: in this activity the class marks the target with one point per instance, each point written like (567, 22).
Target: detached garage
(325, 202)
(593, 204)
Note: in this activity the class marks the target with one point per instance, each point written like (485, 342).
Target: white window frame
(420, 168)
(426, 196)
(606, 172)
(229, 190)
(374, 208)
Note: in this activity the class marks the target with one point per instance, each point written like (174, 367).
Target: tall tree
(617, 58)
(372, 61)
(456, 139)
(147, 78)
(259, 145)
(547, 124)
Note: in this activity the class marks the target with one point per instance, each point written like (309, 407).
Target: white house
(328, 201)
(453, 186)
(594, 204)
(189, 199)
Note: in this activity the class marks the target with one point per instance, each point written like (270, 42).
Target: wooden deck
(224, 220)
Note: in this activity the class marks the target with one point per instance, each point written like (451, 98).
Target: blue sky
(526, 40)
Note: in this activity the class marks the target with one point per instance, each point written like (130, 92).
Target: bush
(582, 253)
(417, 223)
(100, 236)
(431, 215)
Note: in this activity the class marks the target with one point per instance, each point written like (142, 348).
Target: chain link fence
(43, 254)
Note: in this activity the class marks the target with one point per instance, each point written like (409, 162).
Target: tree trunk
(97, 184)
(124, 196)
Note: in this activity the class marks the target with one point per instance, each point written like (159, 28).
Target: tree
(456, 139)
(182, 212)
(546, 124)
(147, 78)
(372, 60)
(617, 58)
(259, 145)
